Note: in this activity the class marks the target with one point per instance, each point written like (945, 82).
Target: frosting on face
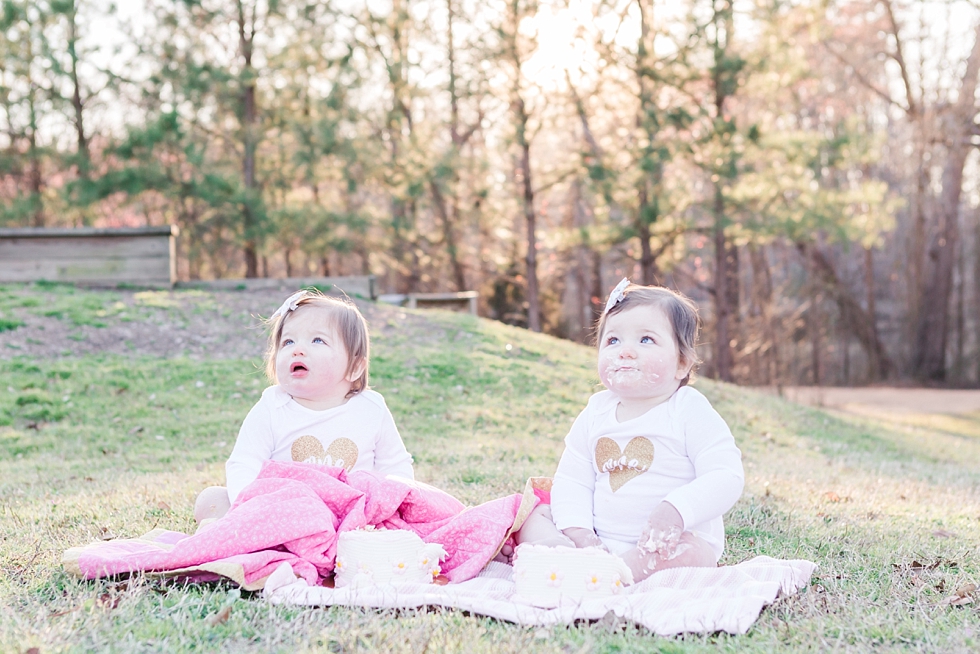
(638, 355)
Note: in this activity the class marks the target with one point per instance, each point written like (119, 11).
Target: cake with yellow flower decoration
(549, 577)
(368, 557)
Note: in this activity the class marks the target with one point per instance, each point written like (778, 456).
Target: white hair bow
(616, 295)
(291, 303)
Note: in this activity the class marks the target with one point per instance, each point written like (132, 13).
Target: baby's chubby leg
(540, 529)
(664, 544)
(677, 550)
(211, 503)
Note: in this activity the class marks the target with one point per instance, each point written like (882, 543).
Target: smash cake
(368, 557)
(548, 577)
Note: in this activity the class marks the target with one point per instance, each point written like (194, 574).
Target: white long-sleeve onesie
(612, 474)
(357, 435)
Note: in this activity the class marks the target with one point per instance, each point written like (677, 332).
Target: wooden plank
(461, 295)
(141, 256)
(56, 232)
(172, 255)
(467, 298)
(353, 285)
(84, 270)
(76, 248)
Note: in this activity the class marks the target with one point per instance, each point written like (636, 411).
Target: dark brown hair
(350, 324)
(680, 310)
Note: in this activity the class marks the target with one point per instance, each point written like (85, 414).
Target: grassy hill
(105, 433)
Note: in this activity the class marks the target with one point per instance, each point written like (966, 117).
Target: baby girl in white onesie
(320, 409)
(649, 466)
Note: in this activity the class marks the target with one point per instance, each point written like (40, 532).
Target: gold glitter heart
(623, 465)
(342, 453)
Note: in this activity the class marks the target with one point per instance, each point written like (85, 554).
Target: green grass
(102, 447)
(81, 307)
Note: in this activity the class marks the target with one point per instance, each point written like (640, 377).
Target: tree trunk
(724, 82)
(530, 218)
(35, 174)
(976, 284)
(449, 208)
(917, 238)
(246, 36)
(762, 286)
(929, 360)
(521, 120)
(960, 317)
(723, 348)
(858, 321)
(648, 211)
(874, 363)
(36, 177)
(648, 260)
(733, 285)
(405, 241)
(596, 290)
(84, 161)
(814, 325)
(448, 235)
(598, 295)
(415, 261)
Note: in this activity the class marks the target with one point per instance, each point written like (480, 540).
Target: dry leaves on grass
(833, 497)
(918, 565)
(107, 601)
(963, 595)
(220, 617)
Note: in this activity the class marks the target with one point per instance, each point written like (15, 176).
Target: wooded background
(806, 170)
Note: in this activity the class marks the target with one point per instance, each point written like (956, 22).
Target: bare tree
(514, 50)
(932, 335)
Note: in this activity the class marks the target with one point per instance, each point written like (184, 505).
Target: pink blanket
(293, 513)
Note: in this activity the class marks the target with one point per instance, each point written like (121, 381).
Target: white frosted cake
(368, 557)
(556, 576)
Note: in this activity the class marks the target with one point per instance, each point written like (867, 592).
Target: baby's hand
(583, 537)
(662, 531)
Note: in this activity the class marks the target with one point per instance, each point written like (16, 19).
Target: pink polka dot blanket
(292, 513)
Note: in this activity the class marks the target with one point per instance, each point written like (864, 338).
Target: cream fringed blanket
(671, 602)
(281, 535)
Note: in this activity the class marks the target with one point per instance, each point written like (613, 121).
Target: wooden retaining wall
(461, 300)
(356, 286)
(138, 256)
(141, 256)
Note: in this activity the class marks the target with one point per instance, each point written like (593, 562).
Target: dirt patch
(887, 399)
(165, 324)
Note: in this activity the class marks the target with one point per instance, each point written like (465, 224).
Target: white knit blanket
(703, 600)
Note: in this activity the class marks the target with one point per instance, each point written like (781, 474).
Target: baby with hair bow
(319, 408)
(649, 467)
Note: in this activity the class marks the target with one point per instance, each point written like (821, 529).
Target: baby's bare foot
(506, 553)
(582, 537)
(642, 564)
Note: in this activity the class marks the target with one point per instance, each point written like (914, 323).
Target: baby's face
(638, 355)
(311, 364)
